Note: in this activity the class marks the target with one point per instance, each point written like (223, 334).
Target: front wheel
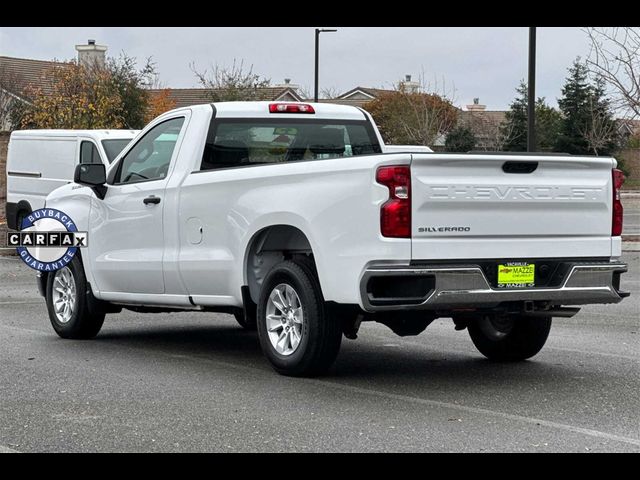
(295, 332)
(511, 338)
(72, 309)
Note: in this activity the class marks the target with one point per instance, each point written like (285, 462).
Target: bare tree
(304, 92)
(6, 103)
(329, 93)
(9, 100)
(234, 83)
(615, 57)
(600, 130)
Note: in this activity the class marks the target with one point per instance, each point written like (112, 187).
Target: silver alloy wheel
(64, 294)
(284, 319)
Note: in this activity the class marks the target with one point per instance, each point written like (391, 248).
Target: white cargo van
(39, 161)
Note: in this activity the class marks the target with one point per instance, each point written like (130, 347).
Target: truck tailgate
(493, 206)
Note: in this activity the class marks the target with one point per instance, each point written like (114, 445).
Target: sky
(465, 62)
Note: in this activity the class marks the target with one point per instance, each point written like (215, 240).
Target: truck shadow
(427, 365)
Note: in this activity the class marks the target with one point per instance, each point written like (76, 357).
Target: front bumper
(449, 287)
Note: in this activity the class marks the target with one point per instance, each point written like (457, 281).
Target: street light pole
(318, 32)
(531, 88)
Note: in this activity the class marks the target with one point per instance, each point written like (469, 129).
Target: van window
(113, 147)
(150, 158)
(89, 153)
(232, 143)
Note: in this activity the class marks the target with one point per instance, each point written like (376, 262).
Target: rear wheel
(73, 311)
(296, 334)
(510, 338)
(243, 321)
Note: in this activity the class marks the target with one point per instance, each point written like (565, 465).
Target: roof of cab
(323, 111)
(94, 134)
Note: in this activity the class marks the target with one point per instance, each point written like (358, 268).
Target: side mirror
(93, 175)
(90, 174)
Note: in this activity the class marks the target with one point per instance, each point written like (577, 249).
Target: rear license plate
(516, 275)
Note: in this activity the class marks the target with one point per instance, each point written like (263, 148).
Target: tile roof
(343, 101)
(373, 92)
(493, 117)
(183, 97)
(16, 74)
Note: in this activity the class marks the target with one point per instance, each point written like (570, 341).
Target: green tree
(574, 105)
(460, 139)
(514, 128)
(587, 125)
(132, 86)
(79, 98)
(548, 122)
(113, 95)
(412, 117)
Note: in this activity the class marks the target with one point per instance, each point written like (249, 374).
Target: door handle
(152, 199)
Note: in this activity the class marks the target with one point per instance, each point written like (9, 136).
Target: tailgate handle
(519, 167)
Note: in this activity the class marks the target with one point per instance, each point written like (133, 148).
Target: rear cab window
(245, 142)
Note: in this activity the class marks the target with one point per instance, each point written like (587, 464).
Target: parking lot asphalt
(198, 382)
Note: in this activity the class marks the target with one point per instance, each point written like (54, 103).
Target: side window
(150, 158)
(89, 153)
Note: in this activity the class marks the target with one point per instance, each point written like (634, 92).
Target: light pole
(318, 32)
(531, 88)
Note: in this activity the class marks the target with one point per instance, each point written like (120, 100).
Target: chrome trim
(15, 173)
(463, 286)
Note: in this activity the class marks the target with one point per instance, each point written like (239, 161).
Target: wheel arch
(269, 246)
(22, 206)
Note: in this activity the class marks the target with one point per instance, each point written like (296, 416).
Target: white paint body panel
(562, 209)
(207, 220)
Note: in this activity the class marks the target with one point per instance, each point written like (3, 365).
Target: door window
(89, 153)
(150, 158)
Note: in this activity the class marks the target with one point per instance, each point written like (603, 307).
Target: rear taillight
(616, 224)
(395, 213)
(290, 108)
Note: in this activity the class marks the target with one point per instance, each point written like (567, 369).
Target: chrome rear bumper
(466, 286)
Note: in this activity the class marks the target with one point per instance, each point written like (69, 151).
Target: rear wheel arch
(22, 210)
(270, 246)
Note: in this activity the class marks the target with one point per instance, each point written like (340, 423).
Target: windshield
(233, 143)
(113, 147)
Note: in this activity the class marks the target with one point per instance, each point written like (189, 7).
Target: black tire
(86, 319)
(246, 323)
(22, 214)
(321, 334)
(510, 340)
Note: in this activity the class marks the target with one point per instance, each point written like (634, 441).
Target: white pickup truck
(298, 220)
